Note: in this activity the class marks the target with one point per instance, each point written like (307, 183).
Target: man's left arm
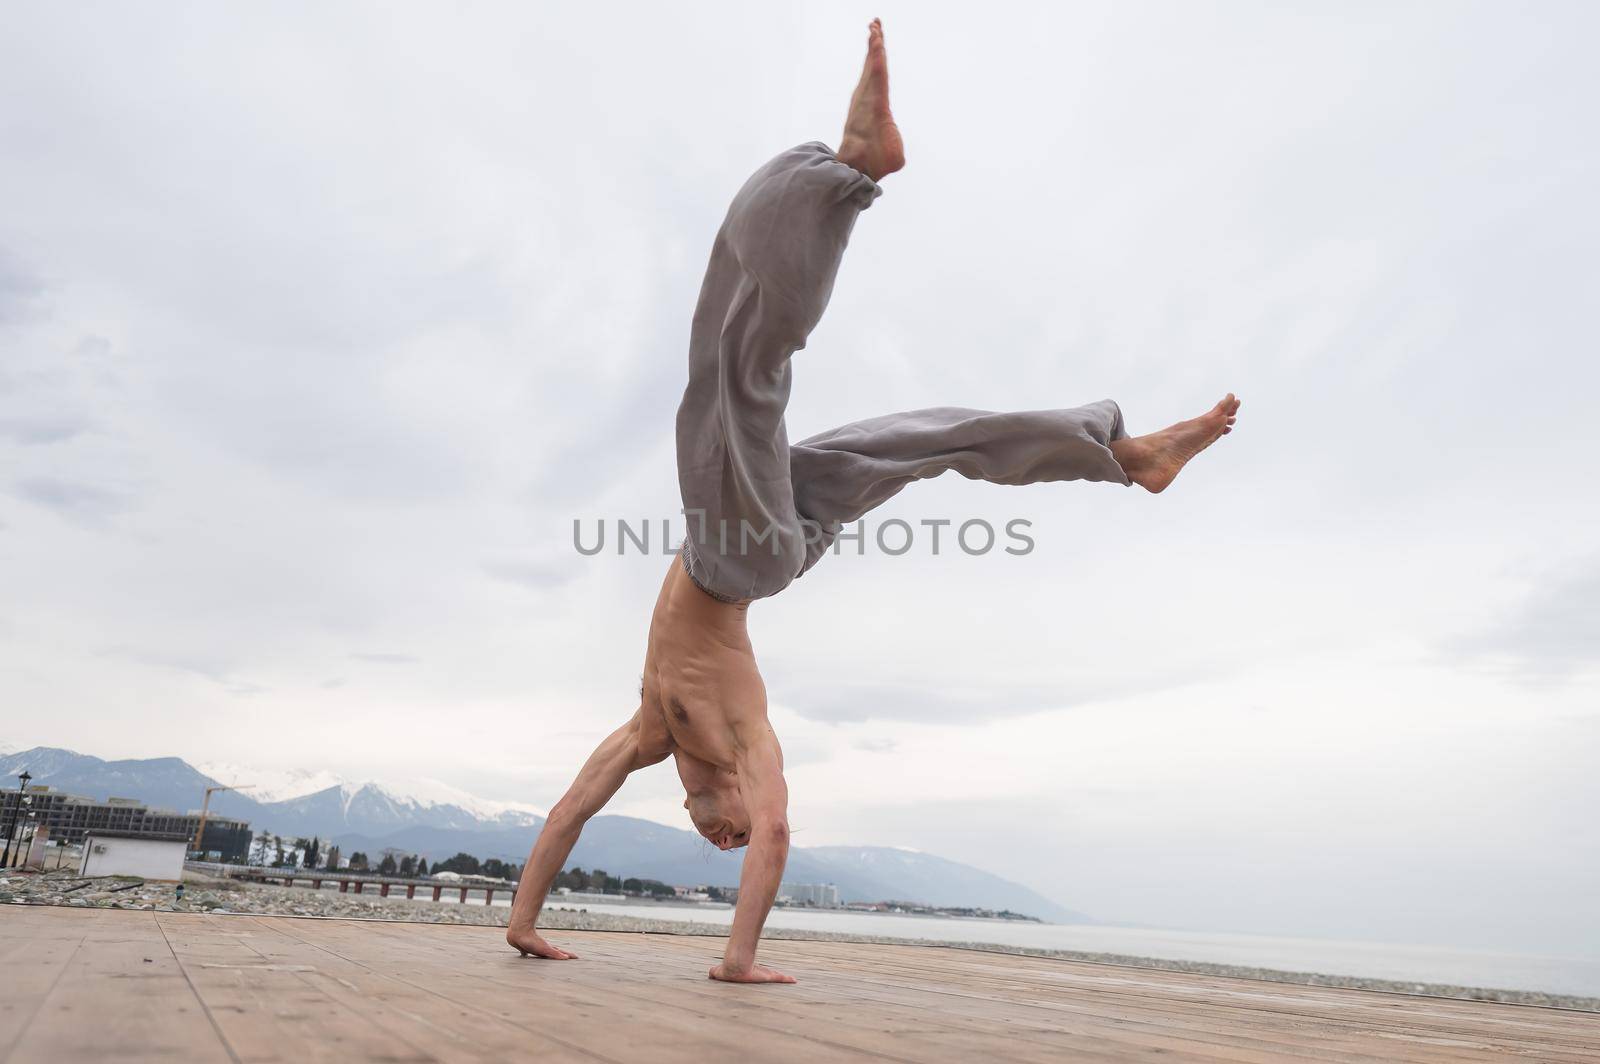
(766, 799)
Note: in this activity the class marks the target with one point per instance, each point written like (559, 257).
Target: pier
(357, 882)
(86, 984)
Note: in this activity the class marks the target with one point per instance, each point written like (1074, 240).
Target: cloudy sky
(319, 328)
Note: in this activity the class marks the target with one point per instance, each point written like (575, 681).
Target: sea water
(1363, 960)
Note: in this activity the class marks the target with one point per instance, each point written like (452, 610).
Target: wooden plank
(603, 1018)
(1252, 1005)
(420, 1016)
(270, 1011)
(36, 953)
(271, 988)
(121, 997)
(1124, 1046)
(1034, 1035)
(678, 986)
(1311, 1029)
(1175, 992)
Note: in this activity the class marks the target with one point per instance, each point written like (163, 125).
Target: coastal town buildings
(69, 817)
(821, 895)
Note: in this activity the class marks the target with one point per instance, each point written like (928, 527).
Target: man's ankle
(854, 157)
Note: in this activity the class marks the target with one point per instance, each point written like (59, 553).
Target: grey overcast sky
(320, 324)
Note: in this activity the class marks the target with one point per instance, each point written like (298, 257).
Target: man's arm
(766, 799)
(600, 778)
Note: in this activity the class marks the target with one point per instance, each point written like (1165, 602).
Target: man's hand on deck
(756, 973)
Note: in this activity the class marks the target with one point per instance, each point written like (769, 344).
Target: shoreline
(225, 897)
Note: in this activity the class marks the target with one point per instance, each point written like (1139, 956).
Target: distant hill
(371, 818)
(172, 783)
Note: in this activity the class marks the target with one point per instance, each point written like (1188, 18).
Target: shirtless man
(761, 512)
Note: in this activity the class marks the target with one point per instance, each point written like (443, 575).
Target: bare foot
(756, 973)
(533, 943)
(1154, 461)
(871, 141)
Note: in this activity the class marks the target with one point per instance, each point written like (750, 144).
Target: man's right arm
(600, 778)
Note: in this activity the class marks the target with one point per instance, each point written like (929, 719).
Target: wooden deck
(104, 985)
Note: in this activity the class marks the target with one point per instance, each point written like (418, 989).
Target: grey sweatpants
(761, 512)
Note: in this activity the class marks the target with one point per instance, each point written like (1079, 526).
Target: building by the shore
(70, 816)
(133, 853)
(822, 895)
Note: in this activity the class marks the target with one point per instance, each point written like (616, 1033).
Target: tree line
(273, 850)
(600, 882)
(277, 852)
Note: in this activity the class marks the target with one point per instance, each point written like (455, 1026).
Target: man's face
(720, 818)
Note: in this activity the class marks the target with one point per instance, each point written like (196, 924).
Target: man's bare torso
(702, 696)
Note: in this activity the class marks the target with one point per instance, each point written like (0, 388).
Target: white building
(822, 895)
(127, 853)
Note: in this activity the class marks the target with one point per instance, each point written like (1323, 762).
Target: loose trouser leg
(771, 272)
(841, 474)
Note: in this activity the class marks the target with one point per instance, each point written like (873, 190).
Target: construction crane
(205, 809)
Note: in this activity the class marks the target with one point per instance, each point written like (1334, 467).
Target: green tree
(332, 861)
(386, 867)
(653, 887)
(312, 854)
(358, 862)
(408, 866)
(574, 878)
(462, 864)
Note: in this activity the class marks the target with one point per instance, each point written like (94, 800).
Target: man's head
(718, 813)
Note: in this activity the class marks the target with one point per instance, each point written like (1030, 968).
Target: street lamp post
(16, 815)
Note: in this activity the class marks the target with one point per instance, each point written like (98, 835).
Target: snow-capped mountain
(384, 799)
(271, 785)
(429, 792)
(317, 802)
(437, 821)
(375, 808)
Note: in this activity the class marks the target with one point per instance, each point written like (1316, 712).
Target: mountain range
(443, 821)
